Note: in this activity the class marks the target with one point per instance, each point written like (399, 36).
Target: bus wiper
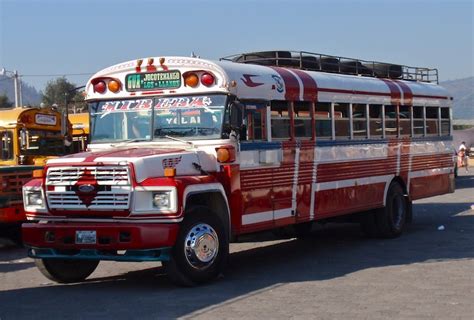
(124, 142)
(180, 140)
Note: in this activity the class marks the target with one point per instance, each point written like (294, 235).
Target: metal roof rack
(335, 64)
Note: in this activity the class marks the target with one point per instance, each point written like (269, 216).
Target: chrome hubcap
(201, 246)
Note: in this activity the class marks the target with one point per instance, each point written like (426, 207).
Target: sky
(46, 39)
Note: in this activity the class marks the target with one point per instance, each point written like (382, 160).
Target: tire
(66, 270)
(201, 249)
(390, 221)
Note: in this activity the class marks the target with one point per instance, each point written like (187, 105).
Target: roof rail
(335, 64)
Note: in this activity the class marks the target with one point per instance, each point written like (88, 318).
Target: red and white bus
(187, 154)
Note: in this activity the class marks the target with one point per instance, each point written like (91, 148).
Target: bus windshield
(44, 143)
(146, 119)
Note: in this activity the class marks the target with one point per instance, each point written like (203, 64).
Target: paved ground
(336, 274)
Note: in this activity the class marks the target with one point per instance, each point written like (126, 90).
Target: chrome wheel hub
(201, 246)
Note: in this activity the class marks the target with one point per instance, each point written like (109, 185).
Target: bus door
(266, 185)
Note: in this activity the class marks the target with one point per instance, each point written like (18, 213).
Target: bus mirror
(23, 139)
(236, 123)
(236, 114)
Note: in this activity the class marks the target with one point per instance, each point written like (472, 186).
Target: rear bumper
(60, 237)
(13, 214)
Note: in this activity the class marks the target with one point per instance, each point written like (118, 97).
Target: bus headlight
(34, 199)
(162, 200)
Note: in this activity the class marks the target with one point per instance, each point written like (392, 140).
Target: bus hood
(147, 162)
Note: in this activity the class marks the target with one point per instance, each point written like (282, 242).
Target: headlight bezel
(36, 191)
(143, 200)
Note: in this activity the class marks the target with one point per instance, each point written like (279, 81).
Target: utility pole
(17, 84)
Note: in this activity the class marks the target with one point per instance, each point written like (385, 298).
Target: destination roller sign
(153, 80)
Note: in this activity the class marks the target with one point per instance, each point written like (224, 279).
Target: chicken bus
(80, 131)
(28, 136)
(187, 155)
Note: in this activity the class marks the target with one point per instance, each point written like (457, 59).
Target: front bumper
(138, 242)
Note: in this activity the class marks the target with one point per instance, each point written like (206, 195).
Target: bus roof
(259, 82)
(11, 118)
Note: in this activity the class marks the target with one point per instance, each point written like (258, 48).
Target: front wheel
(201, 249)
(66, 270)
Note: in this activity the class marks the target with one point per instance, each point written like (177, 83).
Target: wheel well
(401, 183)
(405, 191)
(214, 201)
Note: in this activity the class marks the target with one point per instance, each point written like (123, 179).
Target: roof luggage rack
(335, 64)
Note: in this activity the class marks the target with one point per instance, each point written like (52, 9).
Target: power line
(57, 75)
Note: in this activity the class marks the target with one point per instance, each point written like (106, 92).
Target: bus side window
(432, 120)
(323, 120)
(405, 121)
(255, 118)
(418, 122)
(359, 120)
(445, 122)
(280, 118)
(302, 119)
(390, 120)
(375, 121)
(341, 120)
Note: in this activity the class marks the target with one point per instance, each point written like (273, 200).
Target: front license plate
(86, 237)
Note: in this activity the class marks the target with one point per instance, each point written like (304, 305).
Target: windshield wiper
(125, 142)
(180, 140)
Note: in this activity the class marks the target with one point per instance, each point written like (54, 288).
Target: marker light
(114, 86)
(38, 173)
(100, 87)
(170, 172)
(207, 79)
(225, 154)
(191, 80)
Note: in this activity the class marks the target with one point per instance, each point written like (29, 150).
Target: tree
(4, 102)
(57, 91)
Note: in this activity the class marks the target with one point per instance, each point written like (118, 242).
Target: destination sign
(153, 80)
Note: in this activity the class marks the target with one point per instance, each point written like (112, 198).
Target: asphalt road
(427, 273)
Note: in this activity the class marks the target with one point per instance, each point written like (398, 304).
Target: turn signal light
(100, 87)
(225, 154)
(191, 80)
(114, 86)
(38, 173)
(170, 172)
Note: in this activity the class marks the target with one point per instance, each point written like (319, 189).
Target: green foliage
(4, 102)
(59, 90)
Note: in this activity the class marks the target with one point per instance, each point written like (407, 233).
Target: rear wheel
(388, 222)
(66, 270)
(201, 249)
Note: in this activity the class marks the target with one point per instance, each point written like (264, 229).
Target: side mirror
(236, 120)
(23, 139)
(236, 114)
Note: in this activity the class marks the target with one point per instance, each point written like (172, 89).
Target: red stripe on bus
(430, 97)
(310, 87)
(372, 93)
(407, 93)
(395, 92)
(358, 92)
(292, 86)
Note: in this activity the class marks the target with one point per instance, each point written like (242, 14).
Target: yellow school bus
(80, 131)
(28, 137)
